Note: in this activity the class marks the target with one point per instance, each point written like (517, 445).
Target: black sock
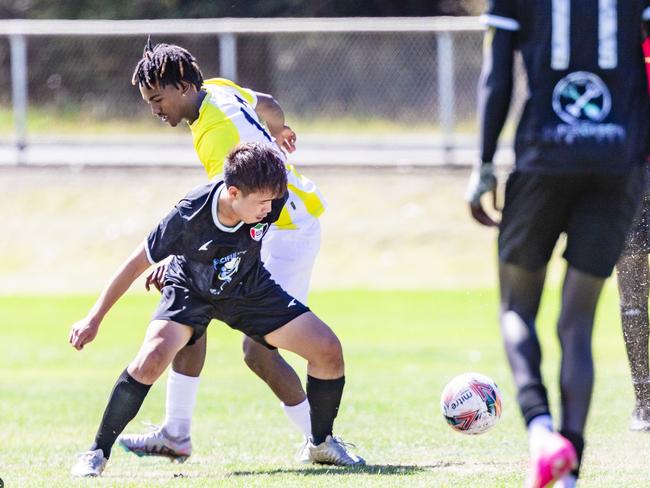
(324, 399)
(123, 404)
(578, 443)
(533, 401)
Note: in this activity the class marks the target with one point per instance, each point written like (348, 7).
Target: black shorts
(267, 308)
(594, 210)
(637, 241)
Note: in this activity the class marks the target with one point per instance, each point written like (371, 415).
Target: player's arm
(86, 329)
(272, 114)
(494, 95)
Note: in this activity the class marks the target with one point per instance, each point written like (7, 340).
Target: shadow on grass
(380, 469)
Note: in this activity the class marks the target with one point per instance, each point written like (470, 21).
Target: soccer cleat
(555, 458)
(157, 443)
(89, 464)
(640, 420)
(333, 451)
(302, 455)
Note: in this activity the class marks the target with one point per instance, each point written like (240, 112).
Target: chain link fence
(369, 83)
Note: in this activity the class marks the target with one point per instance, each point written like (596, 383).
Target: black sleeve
(166, 238)
(276, 208)
(495, 88)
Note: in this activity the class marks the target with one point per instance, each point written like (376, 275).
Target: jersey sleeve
(276, 208)
(501, 14)
(165, 239)
(214, 146)
(246, 93)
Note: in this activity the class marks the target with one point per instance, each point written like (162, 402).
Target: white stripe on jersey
(499, 22)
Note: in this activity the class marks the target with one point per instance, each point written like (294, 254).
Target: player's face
(253, 207)
(166, 103)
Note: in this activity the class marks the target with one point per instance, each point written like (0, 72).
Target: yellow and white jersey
(226, 118)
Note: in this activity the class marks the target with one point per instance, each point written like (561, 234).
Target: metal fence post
(446, 92)
(18, 46)
(228, 56)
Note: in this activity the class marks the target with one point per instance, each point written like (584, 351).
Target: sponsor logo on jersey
(258, 230)
(581, 96)
(226, 267)
(582, 101)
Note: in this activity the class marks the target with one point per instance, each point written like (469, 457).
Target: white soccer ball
(471, 403)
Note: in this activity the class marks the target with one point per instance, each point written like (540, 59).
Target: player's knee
(149, 365)
(189, 361)
(251, 356)
(331, 353)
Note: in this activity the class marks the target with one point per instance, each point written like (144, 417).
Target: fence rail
(403, 72)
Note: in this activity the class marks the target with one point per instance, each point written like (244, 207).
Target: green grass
(401, 348)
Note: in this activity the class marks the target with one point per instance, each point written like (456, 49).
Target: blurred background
(382, 95)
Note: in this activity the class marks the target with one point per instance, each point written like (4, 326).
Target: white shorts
(289, 256)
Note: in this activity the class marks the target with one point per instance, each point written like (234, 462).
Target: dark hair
(166, 64)
(255, 166)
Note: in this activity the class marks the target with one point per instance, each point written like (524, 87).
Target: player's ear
(233, 192)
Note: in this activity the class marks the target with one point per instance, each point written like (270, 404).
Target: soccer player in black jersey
(580, 145)
(214, 235)
(633, 274)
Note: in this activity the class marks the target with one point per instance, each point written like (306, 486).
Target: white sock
(181, 399)
(538, 430)
(299, 415)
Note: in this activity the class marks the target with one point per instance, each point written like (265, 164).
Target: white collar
(215, 213)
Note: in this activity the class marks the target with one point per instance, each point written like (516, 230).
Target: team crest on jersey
(258, 231)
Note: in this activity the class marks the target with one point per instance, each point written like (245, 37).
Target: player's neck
(225, 213)
(194, 105)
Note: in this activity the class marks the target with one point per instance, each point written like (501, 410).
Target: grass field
(401, 348)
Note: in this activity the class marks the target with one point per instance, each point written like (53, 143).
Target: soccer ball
(471, 403)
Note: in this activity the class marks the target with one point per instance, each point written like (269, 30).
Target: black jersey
(210, 259)
(587, 106)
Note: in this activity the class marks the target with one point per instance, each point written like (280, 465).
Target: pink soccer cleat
(555, 458)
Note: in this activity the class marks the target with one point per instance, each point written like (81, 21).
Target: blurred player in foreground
(221, 114)
(214, 235)
(634, 287)
(580, 145)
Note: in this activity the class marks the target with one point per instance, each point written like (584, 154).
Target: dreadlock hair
(166, 64)
(254, 167)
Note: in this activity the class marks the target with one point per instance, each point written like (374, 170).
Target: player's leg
(534, 215)
(634, 286)
(580, 295)
(173, 438)
(282, 379)
(162, 341)
(310, 338)
(600, 220)
(289, 256)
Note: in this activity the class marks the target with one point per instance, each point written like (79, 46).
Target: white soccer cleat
(302, 456)
(333, 451)
(640, 420)
(157, 443)
(89, 464)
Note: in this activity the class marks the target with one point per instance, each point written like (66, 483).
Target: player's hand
(156, 278)
(83, 332)
(286, 139)
(482, 181)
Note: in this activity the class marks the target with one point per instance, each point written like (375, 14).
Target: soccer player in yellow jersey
(220, 115)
